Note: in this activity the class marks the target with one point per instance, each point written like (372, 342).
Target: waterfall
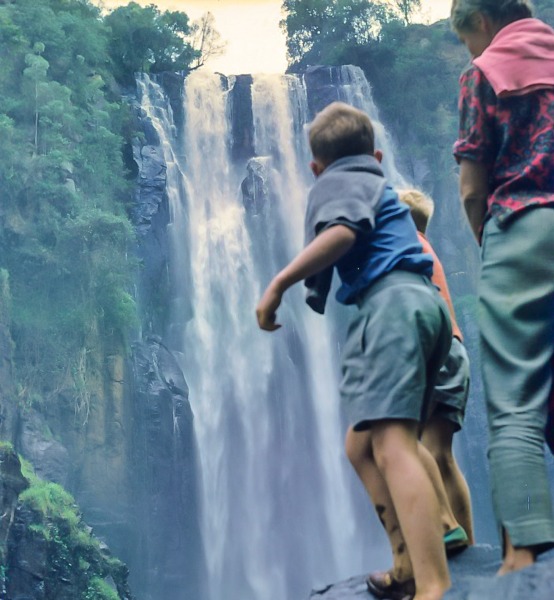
(354, 89)
(282, 511)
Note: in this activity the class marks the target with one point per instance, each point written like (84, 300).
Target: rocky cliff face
(7, 391)
(46, 550)
(12, 483)
(126, 452)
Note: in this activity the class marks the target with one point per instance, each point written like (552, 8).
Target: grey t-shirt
(347, 192)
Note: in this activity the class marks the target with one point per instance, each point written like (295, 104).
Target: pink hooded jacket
(520, 58)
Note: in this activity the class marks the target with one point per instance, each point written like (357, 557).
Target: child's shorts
(449, 397)
(394, 348)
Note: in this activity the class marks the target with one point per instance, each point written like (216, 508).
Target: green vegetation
(99, 590)
(321, 31)
(48, 499)
(413, 68)
(73, 555)
(65, 236)
(148, 40)
(64, 232)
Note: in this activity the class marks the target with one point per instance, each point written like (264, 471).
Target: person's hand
(267, 307)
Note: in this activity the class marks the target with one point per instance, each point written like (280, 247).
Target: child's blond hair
(421, 207)
(340, 130)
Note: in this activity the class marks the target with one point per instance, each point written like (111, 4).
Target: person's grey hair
(499, 11)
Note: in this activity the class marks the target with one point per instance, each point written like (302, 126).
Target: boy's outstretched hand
(330, 245)
(267, 307)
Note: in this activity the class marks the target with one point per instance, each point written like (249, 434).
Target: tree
(147, 40)
(65, 234)
(318, 31)
(206, 40)
(407, 8)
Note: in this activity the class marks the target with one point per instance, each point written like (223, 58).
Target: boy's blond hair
(421, 207)
(340, 130)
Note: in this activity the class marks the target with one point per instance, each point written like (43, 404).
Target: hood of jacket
(520, 58)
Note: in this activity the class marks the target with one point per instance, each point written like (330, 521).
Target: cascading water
(282, 510)
(354, 89)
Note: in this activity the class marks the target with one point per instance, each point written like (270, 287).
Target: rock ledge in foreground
(473, 578)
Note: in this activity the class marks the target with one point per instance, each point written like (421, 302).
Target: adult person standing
(506, 153)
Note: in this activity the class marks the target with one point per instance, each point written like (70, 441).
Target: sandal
(455, 541)
(383, 585)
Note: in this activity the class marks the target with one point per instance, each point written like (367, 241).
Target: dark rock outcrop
(37, 443)
(473, 578)
(165, 462)
(7, 392)
(46, 551)
(322, 86)
(255, 193)
(150, 216)
(12, 483)
(173, 85)
(242, 118)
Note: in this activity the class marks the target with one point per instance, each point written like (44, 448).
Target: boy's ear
(481, 22)
(378, 155)
(316, 168)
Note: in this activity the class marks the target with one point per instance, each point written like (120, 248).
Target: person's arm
(474, 191)
(325, 250)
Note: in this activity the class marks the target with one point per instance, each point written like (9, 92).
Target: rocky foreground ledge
(473, 578)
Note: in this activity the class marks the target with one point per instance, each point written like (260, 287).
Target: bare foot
(516, 559)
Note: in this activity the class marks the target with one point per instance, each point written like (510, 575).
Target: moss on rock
(51, 553)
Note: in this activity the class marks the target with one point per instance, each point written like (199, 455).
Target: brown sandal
(383, 585)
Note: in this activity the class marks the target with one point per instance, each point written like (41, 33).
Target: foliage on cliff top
(65, 235)
(146, 39)
(318, 31)
(73, 556)
(64, 231)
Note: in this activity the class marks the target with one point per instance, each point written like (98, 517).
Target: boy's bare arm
(326, 249)
(474, 190)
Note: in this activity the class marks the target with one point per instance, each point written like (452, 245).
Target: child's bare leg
(360, 454)
(447, 517)
(437, 438)
(515, 559)
(395, 448)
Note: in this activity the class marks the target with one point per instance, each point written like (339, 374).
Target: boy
(395, 344)
(448, 404)
(452, 387)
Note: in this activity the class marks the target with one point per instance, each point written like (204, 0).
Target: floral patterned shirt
(514, 138)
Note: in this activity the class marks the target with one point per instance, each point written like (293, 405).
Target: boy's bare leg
(437, 438)
(360, 454)
(447, 517)
(395, 450)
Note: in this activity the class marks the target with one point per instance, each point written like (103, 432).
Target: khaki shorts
(451, 391)
(395, 346)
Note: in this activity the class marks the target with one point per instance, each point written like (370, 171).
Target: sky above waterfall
(255, 43)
